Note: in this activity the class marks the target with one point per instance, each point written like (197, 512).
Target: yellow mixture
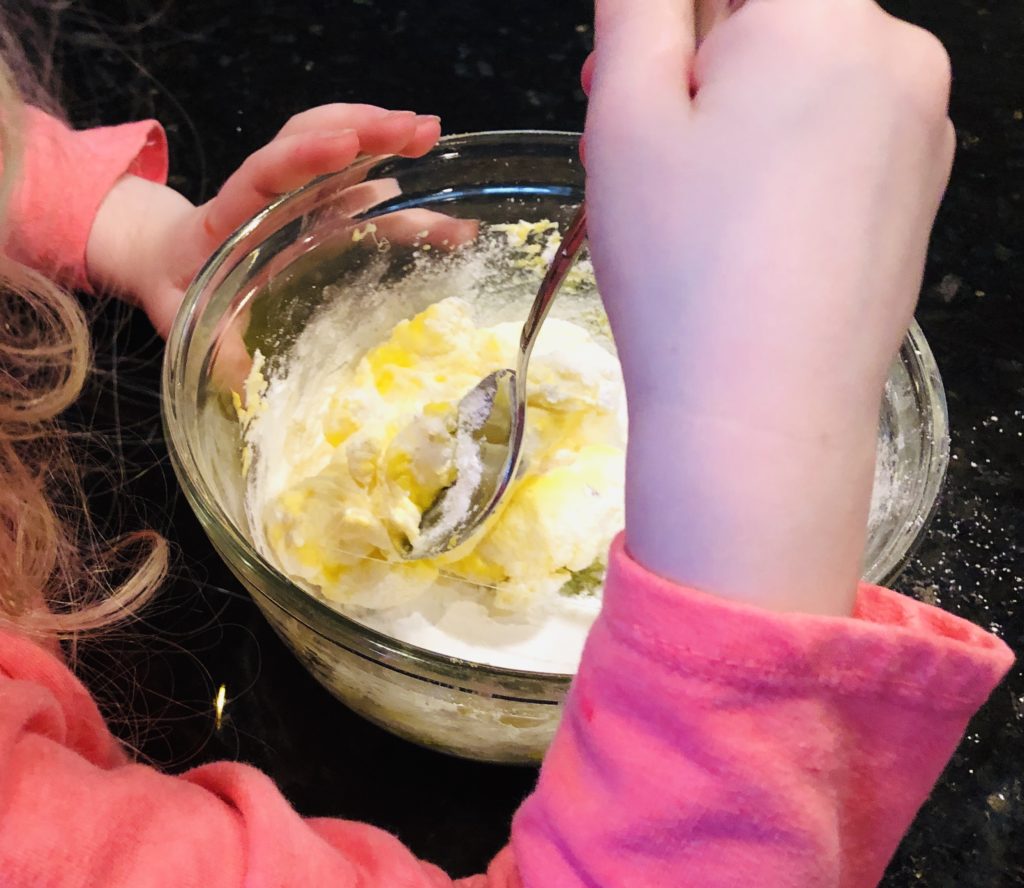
(355, 467)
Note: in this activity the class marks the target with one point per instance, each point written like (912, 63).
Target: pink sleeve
(704, 744)
(64, 177)
(76, 813)
(711, 744)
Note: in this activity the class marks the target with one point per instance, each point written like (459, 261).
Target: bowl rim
(320, 617)
(916, 347)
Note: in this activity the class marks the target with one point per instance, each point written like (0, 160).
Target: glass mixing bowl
(311, 251)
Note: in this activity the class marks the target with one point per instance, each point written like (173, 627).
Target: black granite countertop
(223, 76)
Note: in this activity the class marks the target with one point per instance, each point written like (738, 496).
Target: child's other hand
(760, 210)
(148, 241)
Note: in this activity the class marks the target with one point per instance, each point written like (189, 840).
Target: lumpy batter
(342, 458)
(355, 459)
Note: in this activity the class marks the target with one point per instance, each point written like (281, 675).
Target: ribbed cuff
(893, 645)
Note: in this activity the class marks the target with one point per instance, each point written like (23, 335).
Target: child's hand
(759, 215)
(148, 241)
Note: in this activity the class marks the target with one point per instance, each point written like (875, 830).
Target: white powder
(459, 623)
(455, 502)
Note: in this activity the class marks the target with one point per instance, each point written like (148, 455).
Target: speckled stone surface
(223, 76)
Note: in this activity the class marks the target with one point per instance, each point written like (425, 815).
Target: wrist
(773, 519)
(129, 236)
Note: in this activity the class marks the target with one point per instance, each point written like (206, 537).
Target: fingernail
(345, 135)
(400, 115)
(427, 127)
(432, 117)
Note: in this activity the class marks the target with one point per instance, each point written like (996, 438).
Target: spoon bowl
(489, 428)
(490, 424)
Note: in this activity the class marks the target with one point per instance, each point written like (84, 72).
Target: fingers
(428, 131)
(707, 14)
(418, 227)
(363, 196)
(711, 12)
(399, 132)
(644, 52)
(426, 229)
(338, 116)
(380, 131)
(318, 141)
(587, 73)
(231, 361)
(283, 165)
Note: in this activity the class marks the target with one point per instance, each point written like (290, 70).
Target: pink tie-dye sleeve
(703, 744)
(712, 744)
(64, 176)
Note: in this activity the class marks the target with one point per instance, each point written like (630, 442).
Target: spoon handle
(560, 266)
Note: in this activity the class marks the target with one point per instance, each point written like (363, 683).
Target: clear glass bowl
(262, 287)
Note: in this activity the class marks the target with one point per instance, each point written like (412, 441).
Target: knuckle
(925, 72)
(934, 57)
(292, 124)
(948, 142)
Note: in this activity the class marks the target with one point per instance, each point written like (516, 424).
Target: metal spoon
(491, 420)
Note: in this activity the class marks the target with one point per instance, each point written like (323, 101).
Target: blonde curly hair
(56, 577)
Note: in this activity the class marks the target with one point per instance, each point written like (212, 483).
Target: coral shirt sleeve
(703, 744)
(712, 744)
(76, 813)
(65, 175)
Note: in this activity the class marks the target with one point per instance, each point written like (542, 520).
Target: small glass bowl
(263, 286)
